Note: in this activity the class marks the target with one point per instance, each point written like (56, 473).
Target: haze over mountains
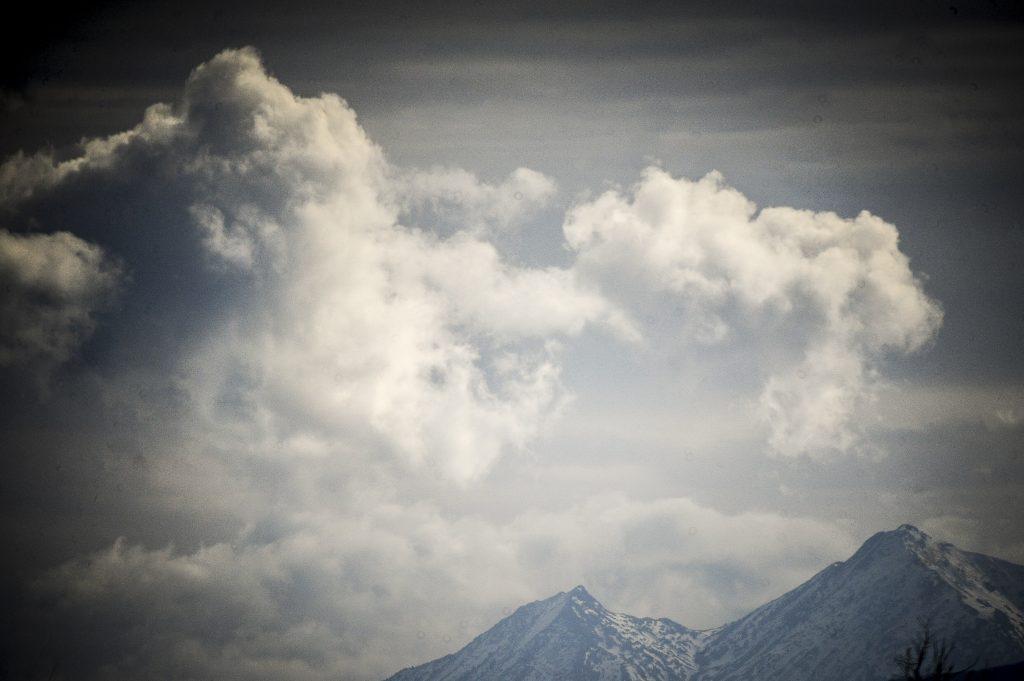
(849, 621)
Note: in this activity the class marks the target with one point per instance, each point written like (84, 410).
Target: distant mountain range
(847, 622)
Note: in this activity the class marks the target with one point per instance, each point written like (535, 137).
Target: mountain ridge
(623, 646)
(847, 621)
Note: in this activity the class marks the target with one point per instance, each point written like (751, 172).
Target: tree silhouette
(928, 658)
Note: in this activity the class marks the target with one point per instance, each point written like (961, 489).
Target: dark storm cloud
(351, 47)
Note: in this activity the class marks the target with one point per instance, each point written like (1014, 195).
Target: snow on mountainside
(570, 637)
(847, 622)
(850, 620)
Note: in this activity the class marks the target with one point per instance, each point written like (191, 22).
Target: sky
(332, 333)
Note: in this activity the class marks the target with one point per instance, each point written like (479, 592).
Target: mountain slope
(847, 622)
(570, 637)
(850, 620)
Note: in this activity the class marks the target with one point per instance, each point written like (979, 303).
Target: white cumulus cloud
(434, 341)
(838, 288)
(458, 196)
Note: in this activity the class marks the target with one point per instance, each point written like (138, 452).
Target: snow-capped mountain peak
(965, 574)
(849, 621)
(570, 636)
(852, 618)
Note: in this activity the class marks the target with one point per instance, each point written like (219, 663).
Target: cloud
(457, 197)
(434, 341)
(350, 596)
(52, 286)
(430, 336)
(324, 357)
(839, 290)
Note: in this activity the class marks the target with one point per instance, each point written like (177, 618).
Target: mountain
(570, 637)
(847, 622)
(851, 619)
